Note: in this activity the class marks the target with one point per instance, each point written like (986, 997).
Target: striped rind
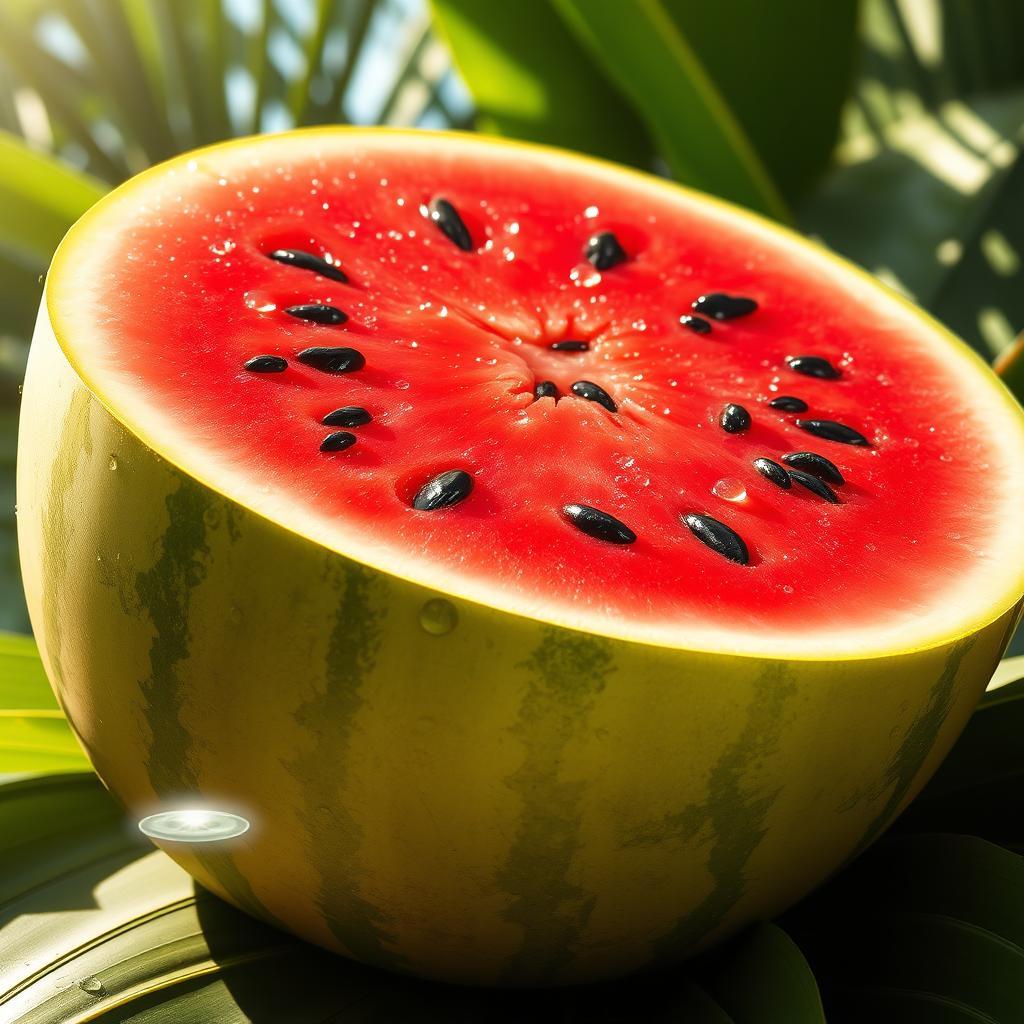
(512, 802)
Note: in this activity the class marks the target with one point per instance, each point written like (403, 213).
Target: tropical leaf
(34, 735)
(763, 58)
(925, 927)
(642, 51)
(530, 79)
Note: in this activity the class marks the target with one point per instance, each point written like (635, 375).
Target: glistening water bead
(594, 393)
(307, 261)
(774, 472)
(812, 462)
(787, 403)
(720, 306)
(338, 441)
(813, 366)
(604, 251)
(719, 537)
(597, 524)
(814, 485)
(734, 419)
(266, 364)
(347, 416)
(317, 313)
(832, 431)
(443, 490)
(447, 218)
(332, 360)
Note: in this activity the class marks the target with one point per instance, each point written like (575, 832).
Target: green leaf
(106, 928)
(979, 788)
(530, 79)
(41, 198)
(929, 202)
(764, 977)
(769, 60)
(34, 735)
(645, 55)
(926, 925)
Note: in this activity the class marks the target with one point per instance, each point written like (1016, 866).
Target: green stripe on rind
(333, 836)
(164, 592)
(566, 673)
(731, 821)
(918, 741)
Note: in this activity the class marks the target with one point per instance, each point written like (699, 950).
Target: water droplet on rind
(438, 616)
(93, 986)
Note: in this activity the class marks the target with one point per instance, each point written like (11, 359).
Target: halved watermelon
(558, 568)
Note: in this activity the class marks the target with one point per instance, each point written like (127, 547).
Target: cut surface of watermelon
(565, 341)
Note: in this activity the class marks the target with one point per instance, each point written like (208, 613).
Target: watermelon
(556, 569)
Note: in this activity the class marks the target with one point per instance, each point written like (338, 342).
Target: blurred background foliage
(890, 130)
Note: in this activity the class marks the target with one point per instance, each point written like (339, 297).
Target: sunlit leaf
(34, 735)
(770, 59)
(530, 79)
(642, 51)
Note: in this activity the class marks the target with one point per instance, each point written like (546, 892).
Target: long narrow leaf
(40, 198)
(531, 79)
(643, 52)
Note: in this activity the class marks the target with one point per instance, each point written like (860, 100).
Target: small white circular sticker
(198, 826)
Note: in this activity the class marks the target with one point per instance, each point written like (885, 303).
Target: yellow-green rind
(510, 802)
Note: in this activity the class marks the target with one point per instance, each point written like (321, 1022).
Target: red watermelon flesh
(176, 301)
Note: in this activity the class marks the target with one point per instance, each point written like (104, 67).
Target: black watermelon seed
(604, 251)
(347, 416)
(787, 403)
(598, 524)
(720, 306)
(812, 462)
(307, 261)
(447, 218)
(569, 346)
(813, 366)
(813, 484)
(338, 441)
(266, 364)
(317, 313)
(697, 324)
(594, 393)
(545, 389)
(774, 472)
(718, 537)
(332, 360)
(734, 419)
(832, 431)
(443, 490)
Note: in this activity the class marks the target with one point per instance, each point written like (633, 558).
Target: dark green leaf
(771, 61)
(762, 977)
(641, 50)
(531, 80)
(979, 788)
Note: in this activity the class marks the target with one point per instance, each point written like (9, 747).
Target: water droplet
(438, 616)
(193, 826)
(93, 986)
(787, 589)
(112, 463)
(235, 615)
(730, 489)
